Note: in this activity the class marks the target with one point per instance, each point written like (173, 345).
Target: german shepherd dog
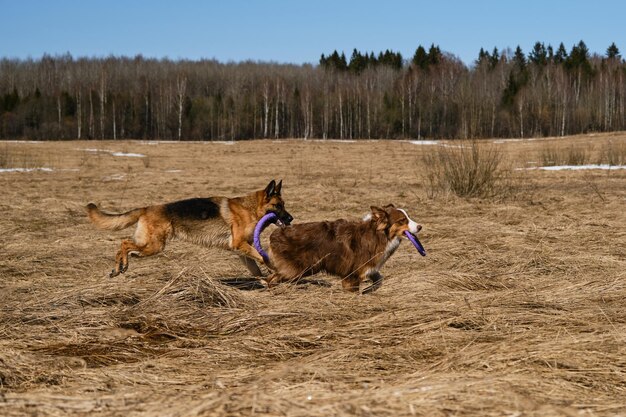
(353, 250)
(222, 222)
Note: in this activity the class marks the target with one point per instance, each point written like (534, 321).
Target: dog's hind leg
(377, 281)
(251, 265)
(155, 245)
(350, 283)
(121, 258)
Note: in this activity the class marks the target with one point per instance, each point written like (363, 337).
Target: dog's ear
(380, 217)
(389, 206)
(269, 190)
(278, 187)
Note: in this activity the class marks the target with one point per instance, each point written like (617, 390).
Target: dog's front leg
(276, 278)
(251, 265)
(377, 281)
(250, 251)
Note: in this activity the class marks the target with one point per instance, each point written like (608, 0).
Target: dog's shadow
(243, 283)
(253, 283)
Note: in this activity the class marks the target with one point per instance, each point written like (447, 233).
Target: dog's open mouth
(416, 242)
(280, 223)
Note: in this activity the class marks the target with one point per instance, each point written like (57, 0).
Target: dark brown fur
(222, 222)
(353, 250)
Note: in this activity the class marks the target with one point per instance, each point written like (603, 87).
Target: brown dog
(222, 222)
(353, 250)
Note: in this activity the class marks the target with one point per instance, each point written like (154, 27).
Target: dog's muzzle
(284, 220)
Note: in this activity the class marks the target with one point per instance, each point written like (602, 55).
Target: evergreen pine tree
(335, 60)
(483, 56)
(538, 55)
(343, 64)
(561, 54)
(12, 100)
(397, 60)
(519, 59)
(613, 52)
(519, 73)
(508, 95)
(579, 57)
(434, 55)
(420, 58)
(356, 64)
(323, 61)
(495, 57)
(363, 60)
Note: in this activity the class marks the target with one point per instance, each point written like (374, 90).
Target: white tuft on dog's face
(413, 226)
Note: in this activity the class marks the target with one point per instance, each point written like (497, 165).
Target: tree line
(547, 92)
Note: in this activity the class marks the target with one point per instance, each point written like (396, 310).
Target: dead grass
(578, 153)
(609, 151)
(516, 310)
(19, 157)
(553, 154)
(613, 152)
(467, 169)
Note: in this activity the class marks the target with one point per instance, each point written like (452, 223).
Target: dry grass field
(518, 309)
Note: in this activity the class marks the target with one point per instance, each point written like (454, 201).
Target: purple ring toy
(260, 226)
(415, 241)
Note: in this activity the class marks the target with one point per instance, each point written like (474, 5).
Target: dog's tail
(111, 221)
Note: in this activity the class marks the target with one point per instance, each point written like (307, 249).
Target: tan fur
(113, 222)
(221, 222)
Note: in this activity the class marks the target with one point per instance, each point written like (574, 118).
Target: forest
(433, 94)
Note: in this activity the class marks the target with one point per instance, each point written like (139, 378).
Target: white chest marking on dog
(413, 226)
(389, 250)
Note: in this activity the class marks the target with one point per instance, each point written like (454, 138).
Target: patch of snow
(131, 155)
(579, 167)
(500, 141)
(113, 153)
(114, 177)
(332, 140)
(157, 142)
(25, 169)
(424, 142)
(179, 142)
(520, 140)
(445, 145)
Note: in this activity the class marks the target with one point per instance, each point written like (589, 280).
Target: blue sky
(300, 31)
